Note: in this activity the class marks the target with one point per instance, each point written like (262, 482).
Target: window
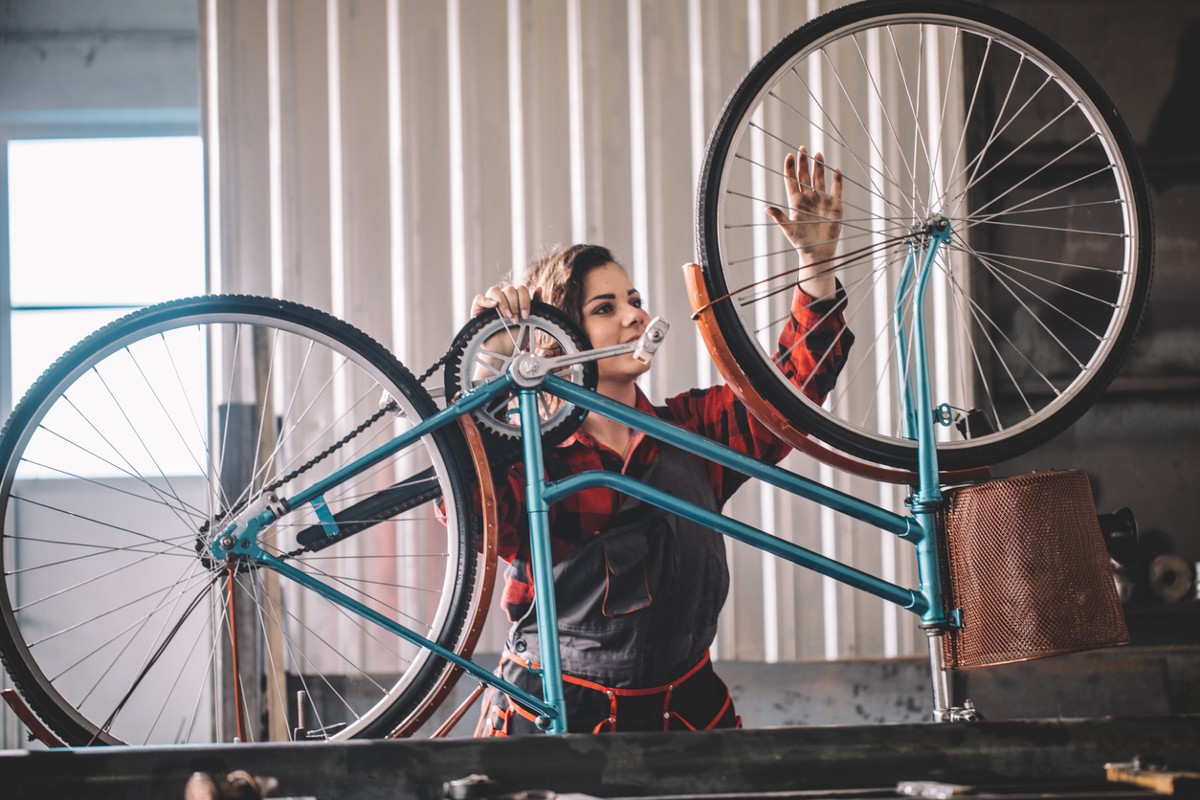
(96, 228)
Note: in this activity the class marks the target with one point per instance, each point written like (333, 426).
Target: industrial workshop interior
(854, 453)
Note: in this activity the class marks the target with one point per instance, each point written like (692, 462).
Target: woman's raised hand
(813, 221)
(512, 302)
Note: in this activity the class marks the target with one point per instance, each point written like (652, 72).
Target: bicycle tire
(1049, 266)
(115, 618)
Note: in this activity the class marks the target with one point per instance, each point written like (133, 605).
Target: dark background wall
(1141, 442)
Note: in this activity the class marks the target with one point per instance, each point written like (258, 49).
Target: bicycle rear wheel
(933, 108)
(132, 452)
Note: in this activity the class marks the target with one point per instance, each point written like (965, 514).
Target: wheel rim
(1018, 358)
(90, 606)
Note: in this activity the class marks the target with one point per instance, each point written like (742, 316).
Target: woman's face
(612, 314)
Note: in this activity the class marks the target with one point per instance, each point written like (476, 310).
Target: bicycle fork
(919, 415)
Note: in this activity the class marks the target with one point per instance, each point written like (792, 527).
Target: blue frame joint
(325, 516)
(914, 532)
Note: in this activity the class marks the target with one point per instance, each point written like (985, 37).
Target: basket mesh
(1028, 569)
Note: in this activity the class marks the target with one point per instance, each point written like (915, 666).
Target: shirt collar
(641, 403)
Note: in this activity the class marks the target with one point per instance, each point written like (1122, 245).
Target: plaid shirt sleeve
(811, 352)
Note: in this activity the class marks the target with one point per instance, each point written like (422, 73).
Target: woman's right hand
(513, 302)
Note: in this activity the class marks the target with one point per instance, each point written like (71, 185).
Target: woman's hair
(560, 274)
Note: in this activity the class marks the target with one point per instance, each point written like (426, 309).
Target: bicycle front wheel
(136, 449)
(935, 109)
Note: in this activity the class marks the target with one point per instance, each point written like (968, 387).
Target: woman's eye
(602, 309)
(636, 302)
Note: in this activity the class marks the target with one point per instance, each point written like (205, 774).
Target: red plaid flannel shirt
(714, 412)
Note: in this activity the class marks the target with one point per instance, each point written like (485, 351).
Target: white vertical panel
(337, 222)
(386, 160)
(242, 216)
(575, 121)
(458, 180)
(305, 152)
(275, 147)
(638, 257)
(516, 132)
(211, 102)
(366, 176)
(397, 254)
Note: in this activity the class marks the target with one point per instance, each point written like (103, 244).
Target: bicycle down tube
(240, 538)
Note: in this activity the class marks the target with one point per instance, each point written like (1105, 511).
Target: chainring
(470, 363)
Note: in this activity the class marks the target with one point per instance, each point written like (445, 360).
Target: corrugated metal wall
(386, 159)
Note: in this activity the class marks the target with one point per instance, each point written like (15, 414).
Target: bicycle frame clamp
(527, 369)
(241, 535)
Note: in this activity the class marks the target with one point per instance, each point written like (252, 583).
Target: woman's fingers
(818, 173)
(803, 175)
(513, 302)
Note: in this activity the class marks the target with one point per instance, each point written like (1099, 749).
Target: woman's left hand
(813, 221)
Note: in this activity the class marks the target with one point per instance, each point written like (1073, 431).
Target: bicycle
(186, 583)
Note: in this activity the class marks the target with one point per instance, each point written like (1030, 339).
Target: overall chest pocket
(626, 572)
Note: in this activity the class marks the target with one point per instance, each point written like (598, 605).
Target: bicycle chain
(333, 448)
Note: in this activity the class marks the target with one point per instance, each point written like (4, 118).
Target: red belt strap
(612, 693)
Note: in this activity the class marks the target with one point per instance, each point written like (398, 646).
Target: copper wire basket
(1028, 571)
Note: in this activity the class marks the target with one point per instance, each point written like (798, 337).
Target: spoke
(996, 271)
(962, 137)
(977, 312)
(976, 163)
(163, 407)
(280, 618)
(265, 398)
(918, 138)
(154, 658)
(935, 169)
(258, 478)
(85, 518)
(209, 469)
(350, 584)
(196, 513)
(171, 491)
(1020, 207)
(975, 181)
(99, 549)
(958, 294)
(1051, 262)
(57, 633)
(130, 472)
(836, 134)
(200, 687)
(141, 626)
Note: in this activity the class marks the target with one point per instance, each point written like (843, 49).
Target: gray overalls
(637, 611)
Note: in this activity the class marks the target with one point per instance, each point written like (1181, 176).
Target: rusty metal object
(1028, 571)
(24, 713)
(485, 582)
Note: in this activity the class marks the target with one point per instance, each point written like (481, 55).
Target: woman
(639, 590)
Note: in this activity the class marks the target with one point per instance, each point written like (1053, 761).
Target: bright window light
(98, 228)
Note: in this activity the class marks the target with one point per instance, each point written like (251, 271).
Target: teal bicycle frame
(919, 528)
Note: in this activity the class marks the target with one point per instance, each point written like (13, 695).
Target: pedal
(651, 339)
